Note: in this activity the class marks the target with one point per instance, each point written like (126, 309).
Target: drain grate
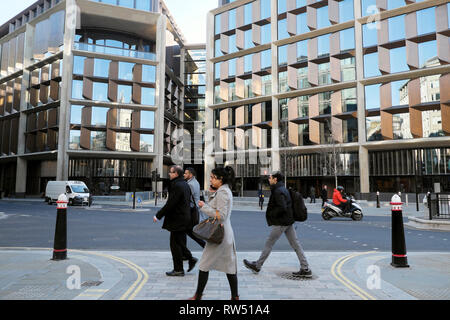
(290, 276)
(91, 283)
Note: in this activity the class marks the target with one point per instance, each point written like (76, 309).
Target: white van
(76, 191)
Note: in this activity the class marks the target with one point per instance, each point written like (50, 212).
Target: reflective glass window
(432, 125)
(346, 11)
(371, 65)
(123, 141)
(231, 67)
(266, 34)
(401, 126)
(372, 96)
(282, 55)
(100, 91)
(323, 45)
(266, 59)
(370, 34)
(146, 142)
(232, 19)
(427, 51)
(143, 5)
(248, 39)
(124, 93)
(124, 118)
(398, 60)
(248, 13)
(368, 7)
(426, 21)
(101, 68)
(217, 24)
(399, 92)
(302, 50)
(126, 71)
(373, 128)
(322, 17)
(302, 23)
(74, 140)
(347, 39)
(396, 28)
(148, 73)
(281, 6)
(217, 51)
(77, 89)
(265, 9)
(75, 114)
(98, 140)
(393, 4)
(148, 96)
(78, 65)
(147, 120)
(127, 3)
(282, 29)
(232, 44)
(217, 71)
(99, 116)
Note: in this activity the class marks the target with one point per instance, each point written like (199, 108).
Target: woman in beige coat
(220, 257)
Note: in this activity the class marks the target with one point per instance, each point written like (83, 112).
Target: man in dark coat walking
(177, 220)
(280, 217)
(324, 194)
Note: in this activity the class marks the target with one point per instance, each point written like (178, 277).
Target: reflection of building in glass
(390, 94)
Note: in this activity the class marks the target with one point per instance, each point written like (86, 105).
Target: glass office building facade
(363, 85)
(93, 103)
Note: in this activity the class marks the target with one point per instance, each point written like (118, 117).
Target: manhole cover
(290, 276)
(91, 283)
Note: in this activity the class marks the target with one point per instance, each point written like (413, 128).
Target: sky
(190, 15)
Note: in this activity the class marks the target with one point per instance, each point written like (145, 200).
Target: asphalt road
(32, 224)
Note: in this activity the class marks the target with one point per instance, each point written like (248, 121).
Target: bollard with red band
(60, 244)
(399, 259)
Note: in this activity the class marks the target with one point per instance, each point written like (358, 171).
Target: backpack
(298, 206)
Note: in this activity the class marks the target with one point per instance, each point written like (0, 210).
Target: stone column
(72, 20)
(160, 85)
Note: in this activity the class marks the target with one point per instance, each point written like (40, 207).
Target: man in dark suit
(177, 220)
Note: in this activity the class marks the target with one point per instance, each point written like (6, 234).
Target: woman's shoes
(196, 297)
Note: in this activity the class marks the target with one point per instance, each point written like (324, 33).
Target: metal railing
(438, 205)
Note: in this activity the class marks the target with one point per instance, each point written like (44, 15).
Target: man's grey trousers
(291, 235)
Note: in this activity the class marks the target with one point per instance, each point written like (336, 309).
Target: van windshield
(79, 189)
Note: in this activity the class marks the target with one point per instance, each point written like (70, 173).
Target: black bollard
(399, 258)
(378, 199)
(60, 244)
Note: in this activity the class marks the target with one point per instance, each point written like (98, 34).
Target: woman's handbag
(210, 230)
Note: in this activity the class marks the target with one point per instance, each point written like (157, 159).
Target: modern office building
(353, 90)
(92, 91)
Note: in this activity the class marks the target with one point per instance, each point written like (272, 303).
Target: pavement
(30, 274)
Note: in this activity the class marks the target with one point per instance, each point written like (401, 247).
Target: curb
(428, 224)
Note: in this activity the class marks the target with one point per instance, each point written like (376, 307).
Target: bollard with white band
(399, 258)
(60, 243)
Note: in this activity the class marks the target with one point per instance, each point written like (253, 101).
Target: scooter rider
(339, 200)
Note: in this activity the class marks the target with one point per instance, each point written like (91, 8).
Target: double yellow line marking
(336, 271)
(142, 276)
(130, 294)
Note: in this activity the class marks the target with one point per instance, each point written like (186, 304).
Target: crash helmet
(340, 188)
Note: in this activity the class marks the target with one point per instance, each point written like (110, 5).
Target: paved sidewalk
(140, 275)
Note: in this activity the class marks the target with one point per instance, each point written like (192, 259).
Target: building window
(396, 28)
(101, 68)
(148, 73)
(148, 96)
(371, 65)
(78, 65)
(77, 89)
(346, 11)
(146, 142)
(428, 54)
(74, 140)
(322, 18)
(100, 91)
(147, 120)
(370, 34)
(99, 116)
(75, 114)
(302, 23)
(124, 93)
(372, 96)
(398, 60)
(126, 71)
(98, 140)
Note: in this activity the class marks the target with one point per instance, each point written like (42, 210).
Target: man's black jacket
(176, 212)
(279, 210)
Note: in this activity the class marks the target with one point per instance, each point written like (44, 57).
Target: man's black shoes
(174, 273)
(251, 265)
(303, 273)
